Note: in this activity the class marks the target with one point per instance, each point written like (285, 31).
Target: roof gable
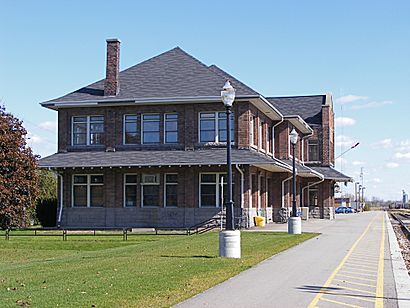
(172, 74)
(308, 107)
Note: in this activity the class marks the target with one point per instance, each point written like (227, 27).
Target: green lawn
(145, 271)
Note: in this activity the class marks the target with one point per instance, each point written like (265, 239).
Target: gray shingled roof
(154, 158)
(332, 174)
(308, 107)
(173, 74)
(301, 170)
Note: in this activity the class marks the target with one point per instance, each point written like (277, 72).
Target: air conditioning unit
(150, 179)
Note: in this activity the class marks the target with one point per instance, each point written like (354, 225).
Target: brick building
(146, 147)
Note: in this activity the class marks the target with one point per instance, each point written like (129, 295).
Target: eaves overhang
(299, 123)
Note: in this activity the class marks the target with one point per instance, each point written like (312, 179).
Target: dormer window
(88, 130)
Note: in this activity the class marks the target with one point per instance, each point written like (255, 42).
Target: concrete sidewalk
(351, 258)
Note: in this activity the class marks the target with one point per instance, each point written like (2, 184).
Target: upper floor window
(150, 128)
(212, 127)
(171, 128)
(313, 150)
(270, 139)
(88, 130)
(130, 129)
(88, 190)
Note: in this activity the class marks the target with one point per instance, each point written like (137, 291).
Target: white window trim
(88, 184)
(123, 128)
(142, 184)
(129, 184)
(273, 140)
(218, 189)
(165, 188)
(216, 119)
(88, 129)
(142, 127)
(165, 128)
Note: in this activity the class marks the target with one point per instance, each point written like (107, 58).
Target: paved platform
(348, 265)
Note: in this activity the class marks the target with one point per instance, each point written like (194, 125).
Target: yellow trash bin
(259, 221)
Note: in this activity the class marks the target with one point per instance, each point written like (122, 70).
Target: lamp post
(294, 222)
(363, 188)
(229, 239)
(355, 194)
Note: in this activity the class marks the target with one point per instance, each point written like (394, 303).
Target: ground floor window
(150, 190)
(313, 195)
(130, 190)
(213, 189)
(171, 189)
(88, 190)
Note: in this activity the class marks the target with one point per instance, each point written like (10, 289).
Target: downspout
(60, 211)
(242, 184)
(309, 185)
(273, 134)
(283, 190)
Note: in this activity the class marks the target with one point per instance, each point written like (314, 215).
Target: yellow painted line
(358, 278)
(356, 283)
(353, 289)
(356, 273)
(339, 303)
(332, 276)
(380, 274)
(358, 297)
(356, 265)
(364, 269)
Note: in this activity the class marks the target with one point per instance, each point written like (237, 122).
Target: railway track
(404, 221)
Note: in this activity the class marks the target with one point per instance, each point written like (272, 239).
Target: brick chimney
(112, 81)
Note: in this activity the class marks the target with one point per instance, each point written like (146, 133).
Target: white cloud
(400, 155)
(343, 141)
(350, 98)
(404, 145)
(371, 105)
(376, 180)
(344, 121)
(33, 139)
(383, 144)
(358, 163)
(48, 125)
(392, 165)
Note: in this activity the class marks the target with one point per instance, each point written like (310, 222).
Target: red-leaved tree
(18, 178)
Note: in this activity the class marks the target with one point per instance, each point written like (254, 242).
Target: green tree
(18, 177)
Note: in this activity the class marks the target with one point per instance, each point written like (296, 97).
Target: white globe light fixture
(228, 94)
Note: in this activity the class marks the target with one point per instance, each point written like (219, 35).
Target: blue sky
(357, 50)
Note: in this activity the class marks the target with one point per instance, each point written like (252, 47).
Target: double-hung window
(88, 130)
(171, 128)
(313, 150)
(88, 190)
(212, 127)
(213, 189)
(130, 190)
(171, 189)
(150, 128)
(130, 129)
(150, 190)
